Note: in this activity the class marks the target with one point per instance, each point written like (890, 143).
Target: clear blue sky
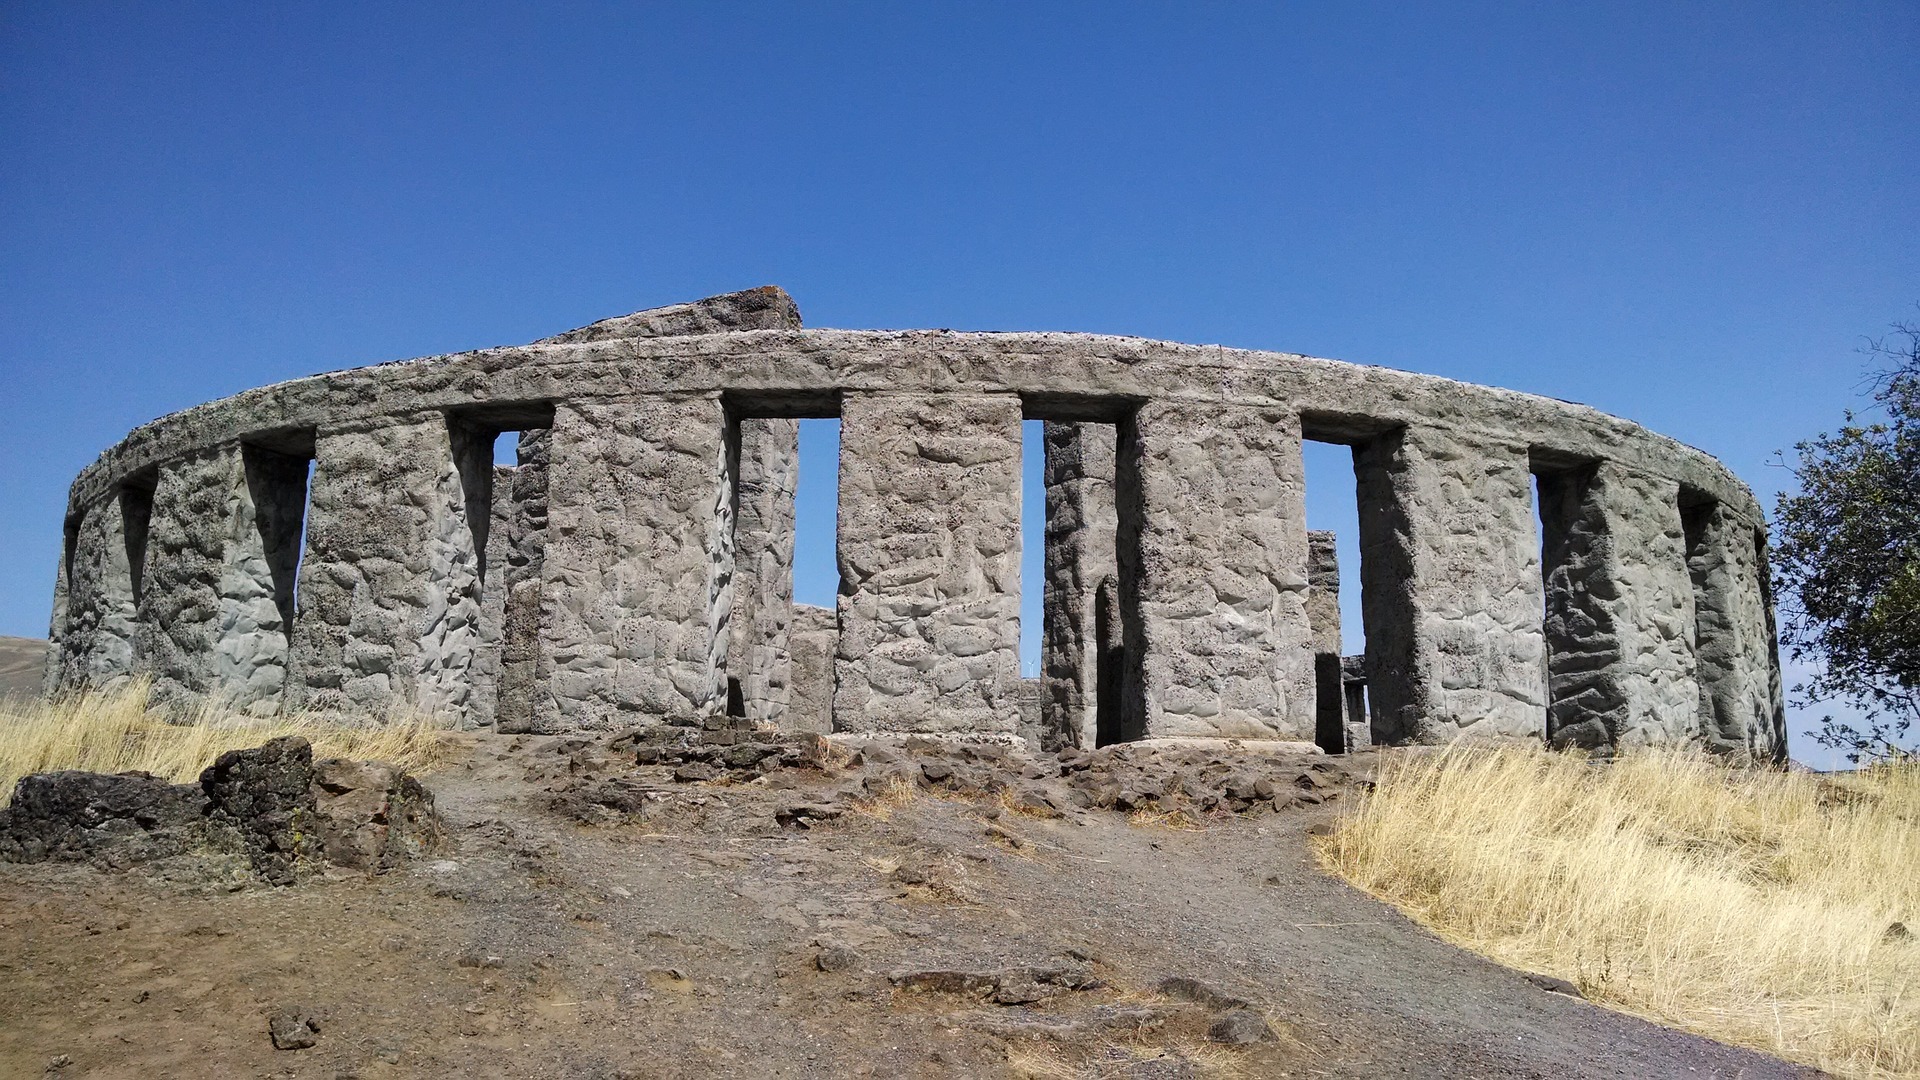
(1684, 213)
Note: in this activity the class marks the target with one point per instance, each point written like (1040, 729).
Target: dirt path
(693, 942)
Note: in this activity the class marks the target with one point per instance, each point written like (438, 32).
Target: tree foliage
(1847, 561)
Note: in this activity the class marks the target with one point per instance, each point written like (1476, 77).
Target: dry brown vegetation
(117, 731)
(1775, 910)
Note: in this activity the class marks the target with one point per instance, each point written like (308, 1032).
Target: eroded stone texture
(389, 591)
(1323, 590)
(765, 308)
(484, 675)
(55, 667)
(929, 550)
(102, 626)
(758, 660)
(811, 638)
(1619, 611)
(636, 588)
(1323, 616)
(1224, 644)
(218, 595)
(1450, 588)
(524, 547)
(1739, 693)
(1082, 655)
(1207, 598)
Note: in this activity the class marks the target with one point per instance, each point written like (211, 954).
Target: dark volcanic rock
(113, 821)
(271, 802)
(266, 795)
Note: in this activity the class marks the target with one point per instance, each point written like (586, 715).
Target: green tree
(1846, 561)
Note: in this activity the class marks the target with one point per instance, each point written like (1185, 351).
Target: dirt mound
(802, 908)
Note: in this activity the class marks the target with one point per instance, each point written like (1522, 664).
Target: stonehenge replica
(345, 543)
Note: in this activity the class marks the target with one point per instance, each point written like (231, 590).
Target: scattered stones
(1014, 986)
(293, 1029)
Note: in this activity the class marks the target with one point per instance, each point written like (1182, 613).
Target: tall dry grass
(117, 731)
(1765, 909)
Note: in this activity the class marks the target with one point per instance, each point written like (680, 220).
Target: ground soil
(690, 941)
(23, 661)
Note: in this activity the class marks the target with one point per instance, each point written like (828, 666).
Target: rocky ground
(698, 904)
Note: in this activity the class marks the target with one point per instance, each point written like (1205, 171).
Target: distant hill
(22, 662)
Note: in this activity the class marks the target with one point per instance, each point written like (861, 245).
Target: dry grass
(1754, 907)
(117, 732)
(891, 794)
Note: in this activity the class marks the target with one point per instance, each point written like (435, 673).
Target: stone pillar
(636, 588)
(1739, 707)
(389, 590)
(482, 707)
(1619, 611)
(929, 551)
(759, 663)
(1450, 588)
(1323, 615)
(1214, 514)
(523, 545)
(56, 666)
(1080, 669)
(218, 597)
(811, 637)
(103, 571)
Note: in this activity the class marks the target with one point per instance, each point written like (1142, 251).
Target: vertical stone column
(524, 545)
(1619, 610)
(1219, 572)
(99, 642)
(218, 597)
(482, 707)
(1739, 706)
(1450, 588)
(1323, 615)
(389, 591)
(1082, 545)
(929, 552)
(54, 676)
(759, 661)
(636, 589)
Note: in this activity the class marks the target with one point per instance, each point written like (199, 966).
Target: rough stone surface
(635, 580)
(812, 641)
(218, 593)
(1219, 543)
(389, 591)
(1620, 611)
(929, 564)
(759, 663)
(765, 308)
(520, 583)
(1082, 647)
(1450, 588)
(370, 815)
(1739, 682)
(104, 548)
(630, 593)
(112, 821)
(273, 803)
(1323, 591)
